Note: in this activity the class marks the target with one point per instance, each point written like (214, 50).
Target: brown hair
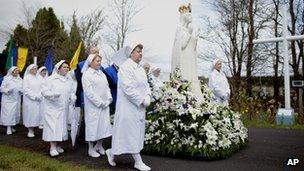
(96, 57)
(65, 62)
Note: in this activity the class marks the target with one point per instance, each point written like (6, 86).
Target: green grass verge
(260, 123)
(17, 159)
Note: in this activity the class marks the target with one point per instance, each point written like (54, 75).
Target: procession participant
(218, 83)
(58, 94)
(97, 98)
(154, 78)
(79, 94)
(31, 99)
(111, 72)
(133, 96)
(11, 89)
(42, 75)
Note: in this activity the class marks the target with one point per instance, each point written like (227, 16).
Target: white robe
(97, 98)
(57, 93)
(42, 102)
(157, 83)
(129, 119)
(31, 101)
(11, 102)
(218, 83)
(72, 108)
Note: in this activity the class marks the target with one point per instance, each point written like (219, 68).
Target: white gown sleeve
(27, 91)
(216, 88)
(73, 96)
(89, 93)
(4, 87)
(128, 87)
(46, 90)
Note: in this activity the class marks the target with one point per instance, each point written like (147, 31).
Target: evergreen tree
(75, 39)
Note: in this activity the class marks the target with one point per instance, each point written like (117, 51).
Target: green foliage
(264, 123)
(20, 36)
(16, 159)
(47, 30)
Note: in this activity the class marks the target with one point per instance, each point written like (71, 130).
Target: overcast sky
(157, 21)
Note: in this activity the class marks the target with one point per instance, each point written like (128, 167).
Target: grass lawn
(17, 159)
(260, 123)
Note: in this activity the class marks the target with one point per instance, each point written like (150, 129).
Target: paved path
(268, 149)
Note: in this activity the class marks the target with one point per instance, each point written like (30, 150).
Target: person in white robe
(133, 96)
(42, 75)
(11, 89)
(154, 78)
(31, 99)
(218, 83)
(58, 95)
(72, 108)
(146, 67)
(97, 98)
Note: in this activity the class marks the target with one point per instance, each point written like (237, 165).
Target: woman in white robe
(154, 78)
(58, 94)
(11, 89)
(133, 96)
(97, 98)
(42, 75)
(31, 99)
(72, 109)
(218, 83)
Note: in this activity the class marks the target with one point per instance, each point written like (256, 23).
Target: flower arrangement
(177, 125)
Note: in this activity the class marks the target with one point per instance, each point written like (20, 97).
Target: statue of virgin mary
(184, 51)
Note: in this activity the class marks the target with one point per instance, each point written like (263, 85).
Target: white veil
(121, 56)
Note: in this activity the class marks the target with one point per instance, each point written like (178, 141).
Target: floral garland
(177, 125)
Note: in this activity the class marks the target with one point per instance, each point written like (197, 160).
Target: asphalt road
(269, 149)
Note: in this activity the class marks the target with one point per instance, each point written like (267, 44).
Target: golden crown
(185, 8)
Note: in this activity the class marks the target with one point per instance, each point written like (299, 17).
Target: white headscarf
(27, 71)
(40, 70)
(56, 67)
(155, 68)
(214, 63)
(87, 63)
(10, 72)
(121, 55)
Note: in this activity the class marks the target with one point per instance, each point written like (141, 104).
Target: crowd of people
(50, 101)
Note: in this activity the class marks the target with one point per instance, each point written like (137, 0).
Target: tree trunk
(250, 49)
(276, 80)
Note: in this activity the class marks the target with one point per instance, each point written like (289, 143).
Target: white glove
(56, 95)
(73, 98)
(9, 91)
(109, 101)
(147, 101)
(38, 98)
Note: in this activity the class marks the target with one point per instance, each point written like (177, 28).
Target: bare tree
(28, 13)
(121, 23)
(277, 57)
(296, 10)
(240, 22)
(25, 17)
(90, 27)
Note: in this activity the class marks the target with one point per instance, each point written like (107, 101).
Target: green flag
(9, 60)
